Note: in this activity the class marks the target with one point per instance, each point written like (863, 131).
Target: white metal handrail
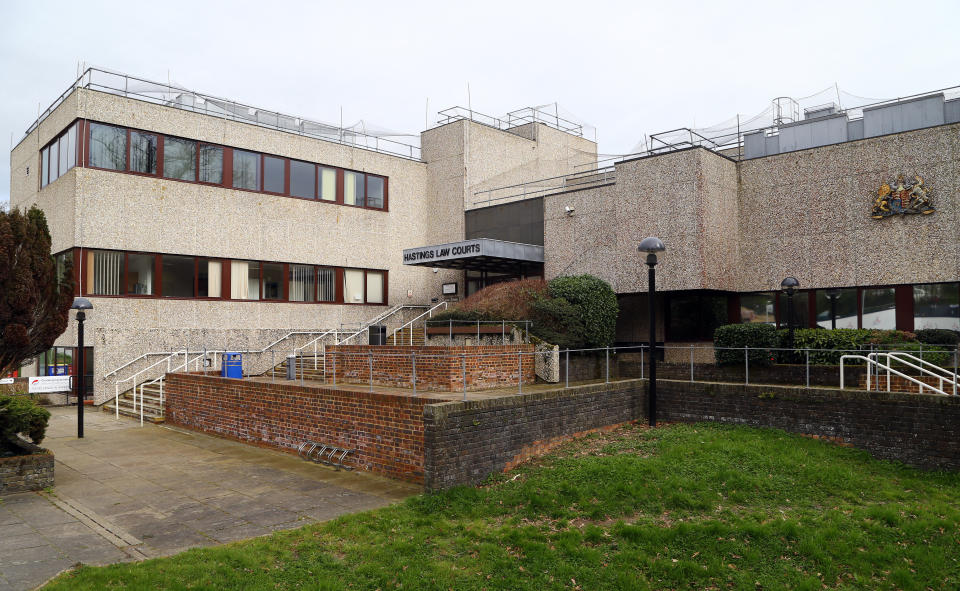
(298, 351)
(428, 313)
(379, 318)
(950, 377)
(874, 362)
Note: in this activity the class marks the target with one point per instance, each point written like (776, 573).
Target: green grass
(678, 507)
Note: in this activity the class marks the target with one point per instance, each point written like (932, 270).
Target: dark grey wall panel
(813, 132)
(903, 116)
(519, 221)
(855, 130)
(951, 111)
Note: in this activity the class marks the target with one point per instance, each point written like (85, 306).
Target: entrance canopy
(480, 254)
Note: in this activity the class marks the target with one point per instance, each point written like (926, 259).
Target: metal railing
(380, 318)
(133, 378)
(503, 324)
(170, 95)
(513, 119)
(873, 363)
(547, 186)
(428, 314)
(925, 368)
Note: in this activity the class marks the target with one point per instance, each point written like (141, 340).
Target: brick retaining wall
(438, 368)
(386, 430)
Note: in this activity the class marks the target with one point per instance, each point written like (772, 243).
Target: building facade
(198, 223)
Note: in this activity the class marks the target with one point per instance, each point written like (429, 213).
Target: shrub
(19, 414)
(558, 322)
(759, 337)
(938, 336)
(596, 302)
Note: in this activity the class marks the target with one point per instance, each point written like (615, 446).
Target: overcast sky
(629, 68)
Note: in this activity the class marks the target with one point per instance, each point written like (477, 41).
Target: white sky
(627, 68)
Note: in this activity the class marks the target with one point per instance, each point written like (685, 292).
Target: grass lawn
(677, 507)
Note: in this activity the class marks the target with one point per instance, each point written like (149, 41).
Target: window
(179, 159)
(302, 283)
(246, 170)
(757, 307)
(245, 280)
(208, 279)
(54, 162)
(353, 188)
(846, 309)
(374, 287)
(303, 179)
(63, 147)
(273, 174)
(879, 308)
(328, 184)
(108, 147)
(103, 272)
(211, 164)
(44, 167)
(140, 274)
(694, 316)
(936, 305)
(801, 309)
(72, 146)
(177, 276)
(64, 261)
(353, 286)
(272, 281)
(327, 290)
(374, 191)
(143, 152)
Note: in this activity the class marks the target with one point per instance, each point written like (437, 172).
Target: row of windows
(694, 316)
(59, 156)
(128, 150)
(117, 273)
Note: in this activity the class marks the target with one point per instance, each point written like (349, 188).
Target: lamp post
(789, 286)
(80, 304)
(833, 294)
(652, 245)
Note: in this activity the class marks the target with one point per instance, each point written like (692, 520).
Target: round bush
(596, 302)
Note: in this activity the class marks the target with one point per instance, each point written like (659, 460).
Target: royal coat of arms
(904, 198)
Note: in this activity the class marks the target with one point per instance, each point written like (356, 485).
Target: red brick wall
(899, 384)
(386, 430)
(438, 368)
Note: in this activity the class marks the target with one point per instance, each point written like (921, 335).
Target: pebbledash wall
(444, 444)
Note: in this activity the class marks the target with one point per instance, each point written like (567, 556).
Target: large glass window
(879, 308)
(353, 286)
(272, 281)
(143, 152)
(209, 274)
(801, 309)
(72, 146)
(694, 316)
(353, 188)
(54, 161)
(45, 167)
(846, 309)
(303, 177)
(936, 305)
(177, 276)
(328, 184)
(211, 164)
(64, 156)
(246, 170)
(103, 272)
(757, 307)
(64, 262)
(374, 191)
(140, 274)
(302, 283)
(108, 146)
(179, 159)
(245, 280)
(374, 287)
(327, 289)
(273, 174)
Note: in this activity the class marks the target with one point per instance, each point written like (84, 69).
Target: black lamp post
(833, 294)
(80, 304)
(789, 286)
(652, 245)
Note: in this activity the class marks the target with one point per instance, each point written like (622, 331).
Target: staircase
(152, 403)
(403, 336)
(308, 367)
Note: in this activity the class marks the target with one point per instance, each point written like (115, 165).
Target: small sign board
(6, 381)
(449, 288)
(40, 385)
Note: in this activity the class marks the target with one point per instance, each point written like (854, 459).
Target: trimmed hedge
(20, 414)
(761, 338)
(938, 336)
(597, 305)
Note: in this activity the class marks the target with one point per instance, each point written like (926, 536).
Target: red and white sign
(40, 385)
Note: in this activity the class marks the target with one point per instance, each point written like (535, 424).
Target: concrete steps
(402, 337)
(128, 407)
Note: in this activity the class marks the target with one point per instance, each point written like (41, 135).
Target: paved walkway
(126, 492)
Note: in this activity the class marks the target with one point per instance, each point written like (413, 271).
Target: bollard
(746, 365)
(566, 372)
(413, 371)
(291, 368)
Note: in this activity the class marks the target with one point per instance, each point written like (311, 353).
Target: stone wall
(26, 472)
(437, 368)
(385, 430)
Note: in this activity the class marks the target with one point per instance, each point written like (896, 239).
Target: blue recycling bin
(232, 366)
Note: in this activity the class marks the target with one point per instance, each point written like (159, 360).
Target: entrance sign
(441, 252)
(477, 254)
(49, 384)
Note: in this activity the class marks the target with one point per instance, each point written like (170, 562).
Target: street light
(652, 245)
(789, 286)
(80, 304)
(833, 294)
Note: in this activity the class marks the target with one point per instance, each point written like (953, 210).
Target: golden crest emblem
(903, 198)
